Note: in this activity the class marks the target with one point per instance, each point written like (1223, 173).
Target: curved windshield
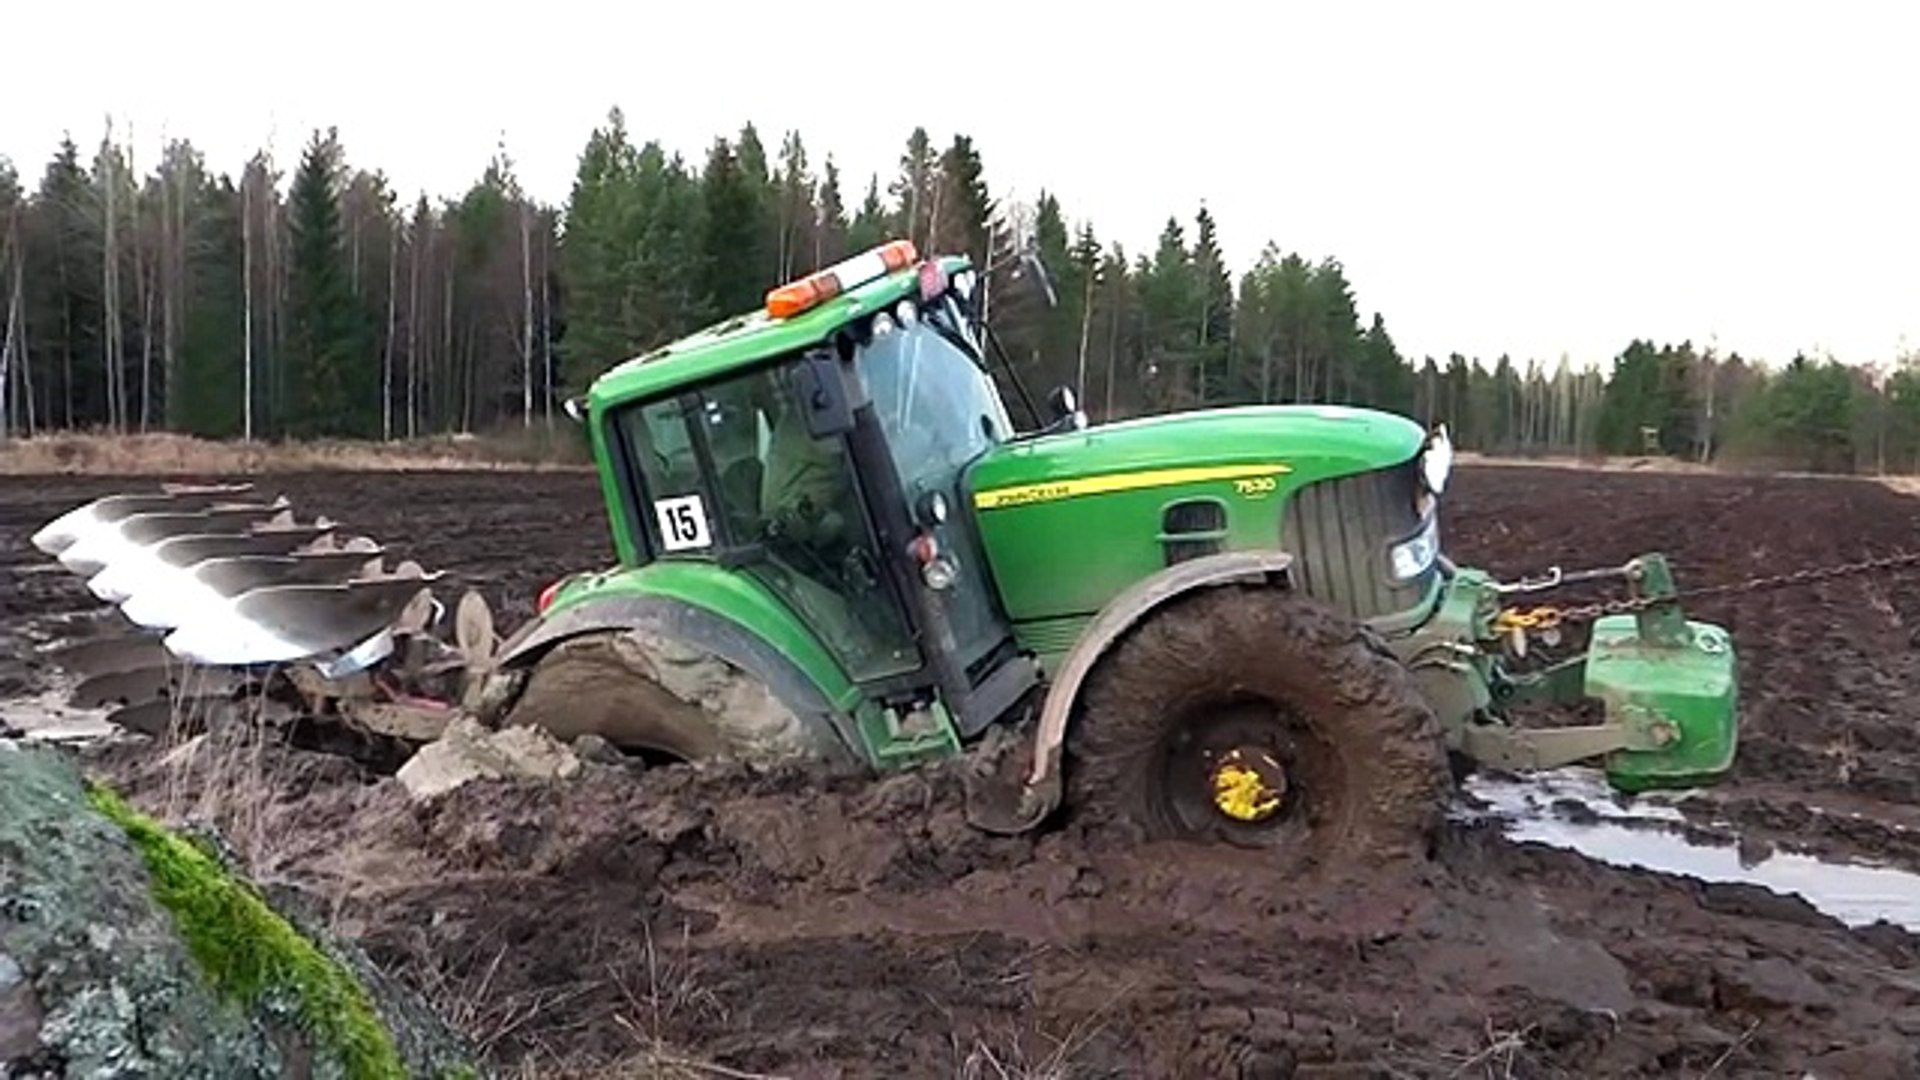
(939, 410)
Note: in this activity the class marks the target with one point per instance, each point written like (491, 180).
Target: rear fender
(1042, 791)
(697, 627)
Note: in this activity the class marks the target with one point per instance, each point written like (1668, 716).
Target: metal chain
(1589, 612)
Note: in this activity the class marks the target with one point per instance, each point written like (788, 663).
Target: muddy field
(732, 925)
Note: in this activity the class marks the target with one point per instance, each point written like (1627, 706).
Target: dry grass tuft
(227, 782)
(99, 454)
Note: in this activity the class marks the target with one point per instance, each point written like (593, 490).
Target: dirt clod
(467, 752)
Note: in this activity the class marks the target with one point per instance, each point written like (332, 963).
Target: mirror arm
(1006, 361)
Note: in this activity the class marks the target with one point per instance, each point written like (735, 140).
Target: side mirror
(576, 408)
(1064, 404)
(821, 395)
(967, 284)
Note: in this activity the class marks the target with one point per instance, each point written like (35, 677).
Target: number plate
(683, 523)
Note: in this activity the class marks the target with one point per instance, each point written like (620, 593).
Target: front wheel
(1259, 717)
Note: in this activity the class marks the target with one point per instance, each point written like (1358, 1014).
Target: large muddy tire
(648, 694)
(1259, 717)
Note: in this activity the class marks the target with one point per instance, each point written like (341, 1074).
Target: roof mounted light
(811, 291)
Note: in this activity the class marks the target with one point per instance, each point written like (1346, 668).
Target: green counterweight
(1681, 692)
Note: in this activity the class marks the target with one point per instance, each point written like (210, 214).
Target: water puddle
(47, 716)
(1576, 811)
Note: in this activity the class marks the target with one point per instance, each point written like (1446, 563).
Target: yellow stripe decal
(1049, 491)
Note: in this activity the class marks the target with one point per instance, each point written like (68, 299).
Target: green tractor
(836, 544)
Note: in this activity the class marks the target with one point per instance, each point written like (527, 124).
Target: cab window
(732, 467)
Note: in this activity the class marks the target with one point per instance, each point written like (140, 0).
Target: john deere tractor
(836, 543)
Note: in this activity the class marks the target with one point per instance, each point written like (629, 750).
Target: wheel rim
(1245, 770)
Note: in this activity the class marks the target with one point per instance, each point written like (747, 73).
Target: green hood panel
(1329, 440)
(1070, 520)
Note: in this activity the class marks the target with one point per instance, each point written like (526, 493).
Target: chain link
(1588, 612)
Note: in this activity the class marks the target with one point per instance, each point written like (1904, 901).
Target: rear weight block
(1680, 696)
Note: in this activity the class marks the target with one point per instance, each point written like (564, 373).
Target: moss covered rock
(129, 950)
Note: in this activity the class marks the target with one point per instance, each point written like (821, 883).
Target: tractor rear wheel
(648, 694)
(1259, 717)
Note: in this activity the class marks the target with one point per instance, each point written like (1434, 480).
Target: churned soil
(826, 926)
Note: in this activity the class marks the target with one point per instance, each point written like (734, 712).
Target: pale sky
(1530, 178)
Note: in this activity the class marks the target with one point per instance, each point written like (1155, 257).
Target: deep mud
(839, 927)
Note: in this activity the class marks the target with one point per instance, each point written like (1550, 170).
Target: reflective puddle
(1576, 811)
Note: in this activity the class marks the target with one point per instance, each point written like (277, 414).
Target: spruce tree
(830, 234)
(603, 218)
(964, 206)
(794, 202)
(206, 397)
(872, 225)
(736, 279)
(913, 190)
(333, 375)
(1214, 320)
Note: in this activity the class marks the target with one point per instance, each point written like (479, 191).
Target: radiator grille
(1339, 532)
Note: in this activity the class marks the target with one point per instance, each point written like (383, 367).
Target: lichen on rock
(143, 955)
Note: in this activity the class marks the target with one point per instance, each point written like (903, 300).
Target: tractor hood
(1304, 441)
(1069, 520)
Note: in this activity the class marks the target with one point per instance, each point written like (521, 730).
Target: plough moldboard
(217, 596)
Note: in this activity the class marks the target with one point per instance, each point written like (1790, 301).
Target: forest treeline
(320, 303)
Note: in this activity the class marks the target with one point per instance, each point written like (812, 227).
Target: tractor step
(896, 741)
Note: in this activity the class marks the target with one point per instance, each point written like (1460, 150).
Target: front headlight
(1436, 460)
(1415, 556)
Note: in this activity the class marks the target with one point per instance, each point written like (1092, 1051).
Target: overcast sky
(1530, 178)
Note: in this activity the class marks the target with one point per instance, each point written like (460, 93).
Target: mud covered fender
(1040, 792)
(828, 731)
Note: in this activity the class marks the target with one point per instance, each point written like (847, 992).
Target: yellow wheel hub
(1248, 791)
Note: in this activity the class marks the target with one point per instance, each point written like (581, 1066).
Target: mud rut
(803, 926)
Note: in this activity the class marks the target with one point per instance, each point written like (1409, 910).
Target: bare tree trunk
(110, 297)
(66, 340)
(21, 350)
(1113, 351)
(1706, 436)
(9, 405)
(246, 274)
(546, 331)
(526, 330)
(270, 298)
(467, 350)
(933, 220)
(386, 356)
(413, 333)
(144, 283)
(172, 241)
(1086, 331)
(446, 343)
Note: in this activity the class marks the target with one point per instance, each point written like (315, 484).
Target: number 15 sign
(683, 522)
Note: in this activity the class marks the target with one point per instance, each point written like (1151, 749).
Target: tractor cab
(828, 472)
